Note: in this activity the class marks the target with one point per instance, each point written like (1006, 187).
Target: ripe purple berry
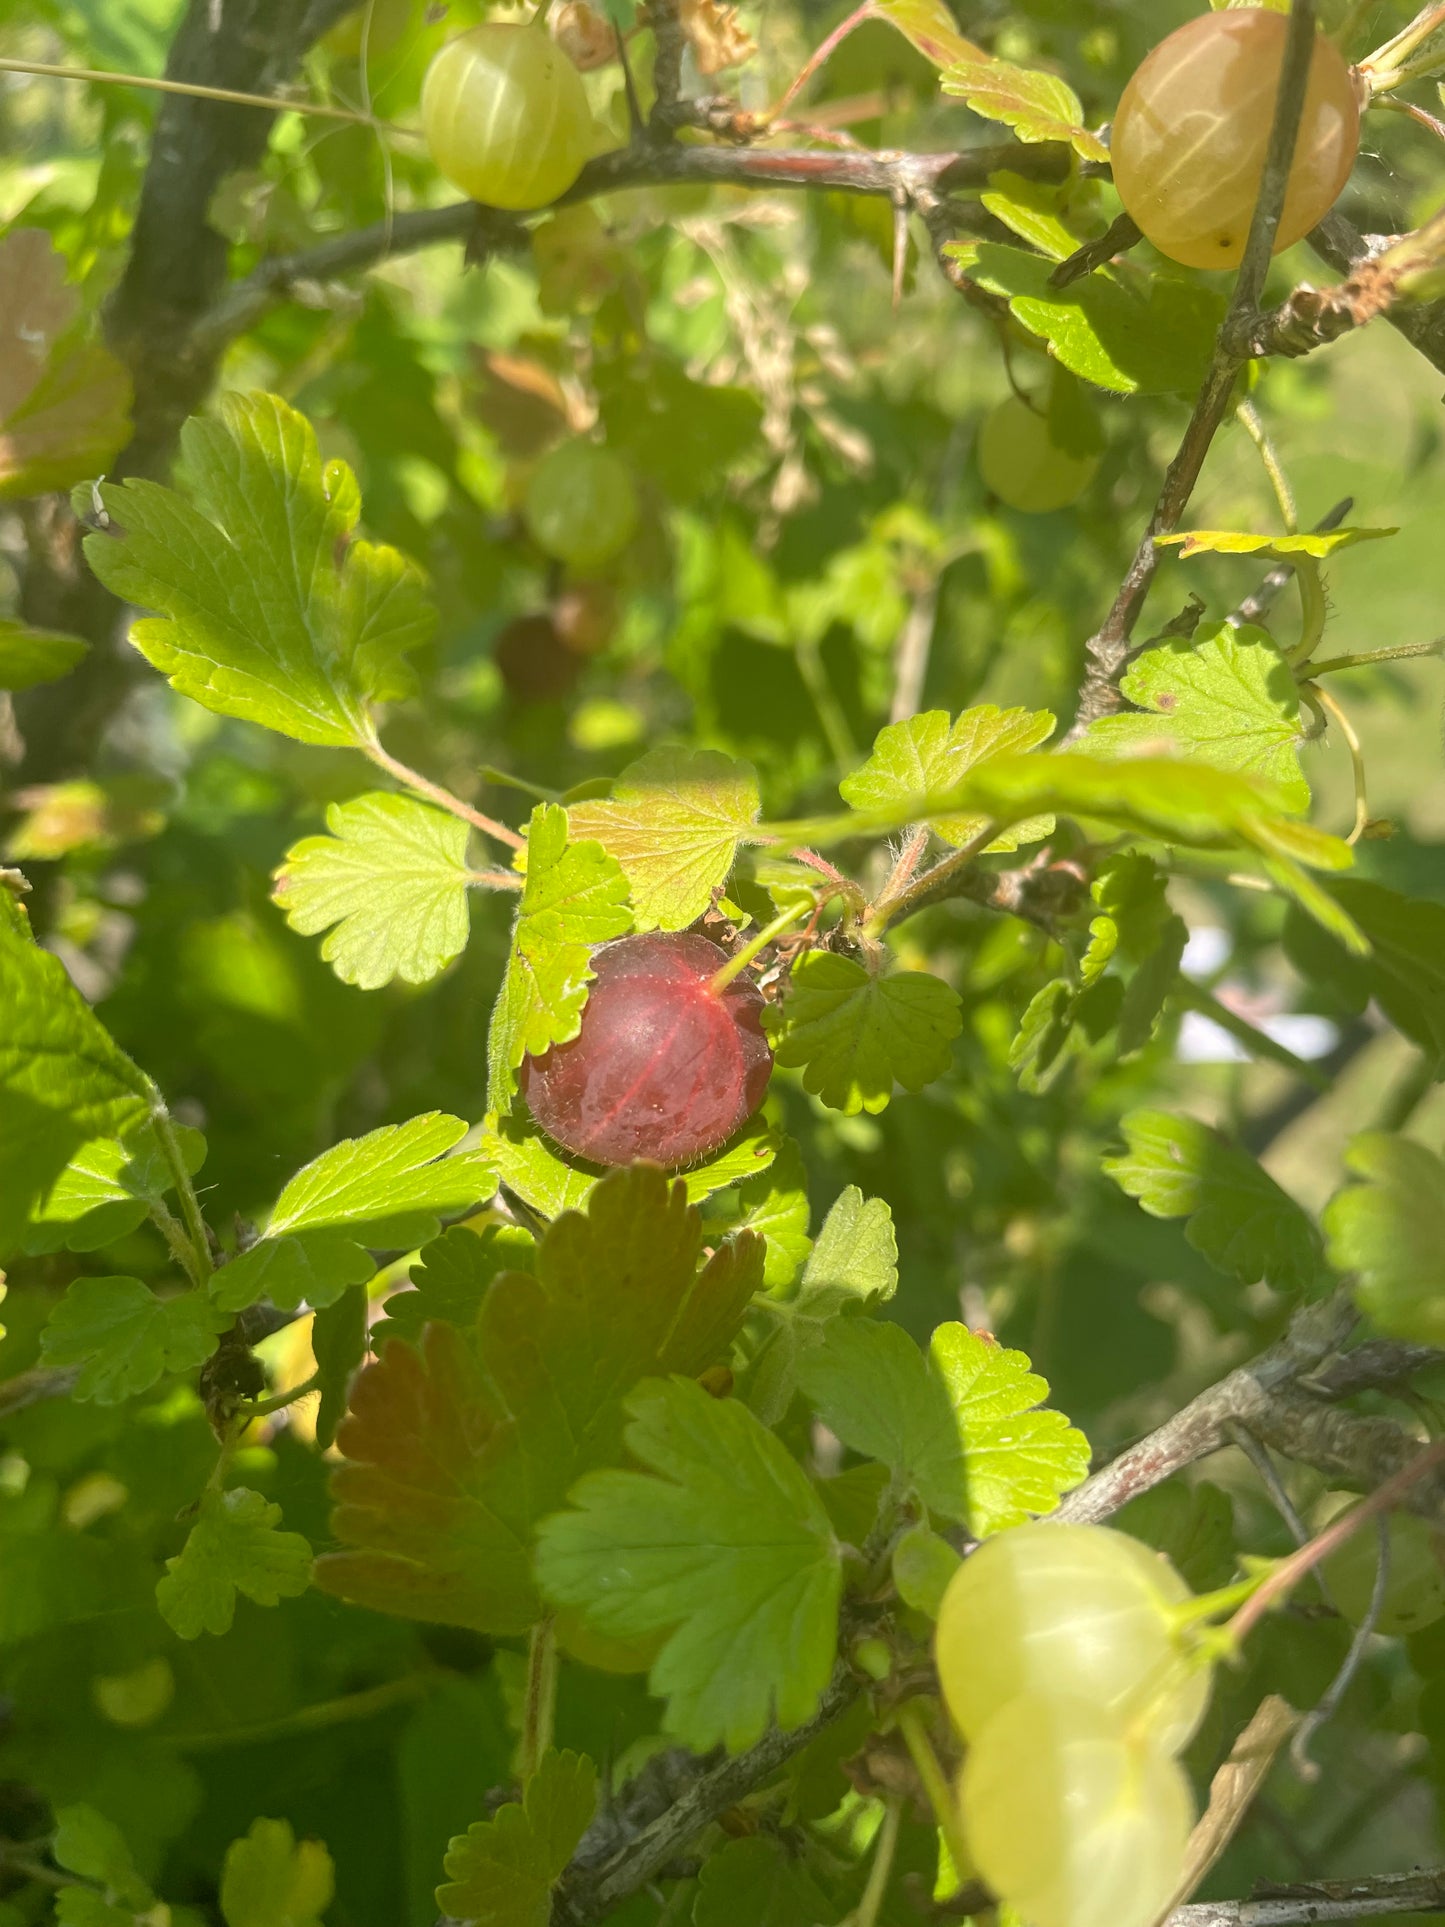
(663, 1066)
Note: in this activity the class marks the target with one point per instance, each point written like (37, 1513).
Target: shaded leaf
(390, 885)
(854, 1259)
(501, 1872)
(1405, 971)
(458, 1448)
(451, 1277)
(338, 1344)
(855, 1035)
(1389, 1229)
(722, 1545)
(63, 1081)
(674, 822)
(384, 1189)
(123, 1338)
(1238, 1217)
(1157, 343)
(31, 656)
(268, 607)
(235, 1546)
(64, 401)
(270, 1879)
(758, 1881)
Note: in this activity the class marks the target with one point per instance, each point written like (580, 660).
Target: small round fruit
(1414, 1584)
(1057, 1609)
(505, 115)
(585, 616)
(1193, 125)
(581, 505)
(1071, 1820)
(663, 1067)
(1023, 465)
(536, 664)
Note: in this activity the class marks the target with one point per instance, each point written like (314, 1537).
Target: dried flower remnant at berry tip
(663, 1067)
(1192, 129)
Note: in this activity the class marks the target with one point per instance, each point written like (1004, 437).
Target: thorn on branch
(1121, 235)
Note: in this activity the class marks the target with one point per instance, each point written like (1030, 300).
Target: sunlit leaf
(1038, 106)
(268, 606)
(855, 1035)
(390, 885)
(1389, 1230)
(674, 822)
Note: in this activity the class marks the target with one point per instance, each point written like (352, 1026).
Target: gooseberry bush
(722, 963)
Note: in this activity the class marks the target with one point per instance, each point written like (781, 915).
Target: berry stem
(1290, 1570)
(278, 1401)
(1357, 755)
(885, 1844)
(912, 1726)
(539, 1707)
(740, 959)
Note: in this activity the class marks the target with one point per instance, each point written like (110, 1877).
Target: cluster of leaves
(715, 1443)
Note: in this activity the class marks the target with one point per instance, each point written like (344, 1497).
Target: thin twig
(1322, 1902)
(1107, 648)
(1299, 1750)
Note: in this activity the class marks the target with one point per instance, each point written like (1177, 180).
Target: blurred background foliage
(805, 457)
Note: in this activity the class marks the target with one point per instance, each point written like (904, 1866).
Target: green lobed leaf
(722, 1545)
(1038, 106)
(929, 26)
(338, 1344)
(1404, 972)
(757, 1880)
(108, 1188)
(64, 400)
(574, 898)
(501, 1871)
(450, 1279)
(854, 1261)
(1157, 343)
(63, 1081)
(121, 1338)
(384, 1189)
(962, 1426)
(235, 1546)
(1031, 209)
(926, 753)
(1319, 543)
(389, 883)
(774, 1203)
(91, 1845)
(1229, 699)
(1132, 893)
(674, 822)
(30, 656)
(268, 606)
(1192, 1525)
(1389, 1230)
(1238, 1217)
(855, 1035)
(272, 1879)
(552, 1184)
(458, 1447)
(923, 1564)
